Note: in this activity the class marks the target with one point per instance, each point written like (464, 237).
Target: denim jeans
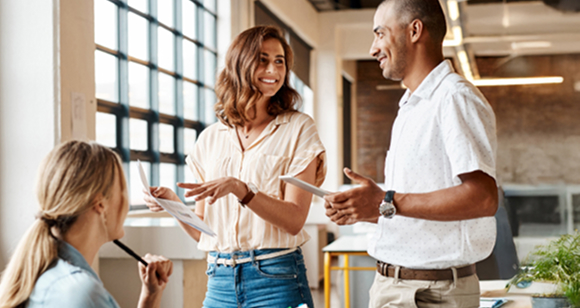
(276, 283)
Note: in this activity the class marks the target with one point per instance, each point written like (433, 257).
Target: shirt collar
(429, 84)
(70, 254)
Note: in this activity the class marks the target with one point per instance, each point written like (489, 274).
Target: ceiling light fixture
(453, 9)
(488, 82)
(457, 38)
(505, 21)
(464, 61)
(526, 45)
(383, 87)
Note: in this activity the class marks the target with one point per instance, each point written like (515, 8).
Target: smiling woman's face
(271, 71)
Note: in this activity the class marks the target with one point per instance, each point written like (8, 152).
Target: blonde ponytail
(33, 256)
(71, 176)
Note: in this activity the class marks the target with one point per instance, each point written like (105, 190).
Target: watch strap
(389, 196)
(248, 197)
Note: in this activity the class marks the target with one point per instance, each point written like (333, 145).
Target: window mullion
(178, 132)
(123, 139)
(153, 121)
(200, 65)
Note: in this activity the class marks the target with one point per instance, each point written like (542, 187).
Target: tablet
(303, 185)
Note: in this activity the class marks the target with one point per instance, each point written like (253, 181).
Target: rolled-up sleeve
(308, 148)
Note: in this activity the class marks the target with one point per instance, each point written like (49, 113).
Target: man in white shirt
(436, 219)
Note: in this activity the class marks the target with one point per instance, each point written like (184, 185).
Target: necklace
(249, 132)
(246, 134)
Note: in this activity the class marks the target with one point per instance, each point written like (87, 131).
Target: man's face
(389, 46)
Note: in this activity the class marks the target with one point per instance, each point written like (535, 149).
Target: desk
(519, 298)
(344, 246)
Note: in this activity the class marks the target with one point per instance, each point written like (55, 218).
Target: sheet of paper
(492, 302)
(177, 209)
(303, 185)
(78, 116)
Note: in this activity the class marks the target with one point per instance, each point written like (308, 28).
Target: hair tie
(46, 220)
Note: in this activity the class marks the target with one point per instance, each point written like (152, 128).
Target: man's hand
(358, 204)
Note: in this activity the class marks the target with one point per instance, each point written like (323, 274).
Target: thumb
(151, 271)
(357, 178)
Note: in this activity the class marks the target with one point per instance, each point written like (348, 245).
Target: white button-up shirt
(444, 129)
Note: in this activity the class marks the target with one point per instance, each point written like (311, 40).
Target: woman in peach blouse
(255, 260)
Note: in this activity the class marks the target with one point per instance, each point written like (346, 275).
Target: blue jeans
(275, 283)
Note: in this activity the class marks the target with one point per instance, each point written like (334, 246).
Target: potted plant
(557, 263)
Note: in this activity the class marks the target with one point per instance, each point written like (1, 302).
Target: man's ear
(416, 30)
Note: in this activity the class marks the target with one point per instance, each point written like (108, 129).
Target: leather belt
(388, 270)
(234, 260)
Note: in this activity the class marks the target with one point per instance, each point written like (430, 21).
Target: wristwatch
(252, 191)
(387, 207)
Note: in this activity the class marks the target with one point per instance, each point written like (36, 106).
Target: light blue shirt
(70, 283)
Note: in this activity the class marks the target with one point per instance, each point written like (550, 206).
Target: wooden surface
(194, 283)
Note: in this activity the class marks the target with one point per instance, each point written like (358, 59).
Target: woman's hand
(215, 189)
(158, 192)
(154, 279)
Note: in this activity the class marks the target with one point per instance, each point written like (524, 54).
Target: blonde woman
(83, 203)
(255, 260)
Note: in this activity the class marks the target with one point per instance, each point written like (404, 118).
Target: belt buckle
(234, 257)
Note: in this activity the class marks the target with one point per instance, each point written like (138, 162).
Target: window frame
(123, 111)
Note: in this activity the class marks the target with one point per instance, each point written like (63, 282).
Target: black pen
(130, 252)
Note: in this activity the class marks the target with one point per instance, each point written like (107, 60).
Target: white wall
(28, 111)
(334, 33)
(46, 55)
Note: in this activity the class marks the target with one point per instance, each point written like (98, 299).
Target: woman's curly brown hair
(235, 90)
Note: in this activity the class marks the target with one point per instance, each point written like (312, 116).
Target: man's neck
(421, 65)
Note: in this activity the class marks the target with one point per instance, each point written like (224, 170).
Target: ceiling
(501, 27)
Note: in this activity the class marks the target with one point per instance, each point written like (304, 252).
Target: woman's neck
(249, 131)
(259, 115)
(86, 235)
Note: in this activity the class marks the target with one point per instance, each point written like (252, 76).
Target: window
(155, 68)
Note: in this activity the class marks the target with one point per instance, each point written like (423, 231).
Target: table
(345, 246)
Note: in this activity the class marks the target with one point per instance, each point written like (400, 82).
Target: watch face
(253, 188)
(387, 209)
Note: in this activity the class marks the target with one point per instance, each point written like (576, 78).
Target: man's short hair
(427, 11)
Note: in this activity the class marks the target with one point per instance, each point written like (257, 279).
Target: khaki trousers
(387, 292)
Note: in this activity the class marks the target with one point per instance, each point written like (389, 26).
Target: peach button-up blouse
(287, 145)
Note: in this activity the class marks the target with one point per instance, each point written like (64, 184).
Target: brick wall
(538, 126)
(376, 111)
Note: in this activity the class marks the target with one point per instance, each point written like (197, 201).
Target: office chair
(503, 263)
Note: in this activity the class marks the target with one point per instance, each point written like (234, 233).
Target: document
(177, 209)
(492, 302)
(303, 185)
